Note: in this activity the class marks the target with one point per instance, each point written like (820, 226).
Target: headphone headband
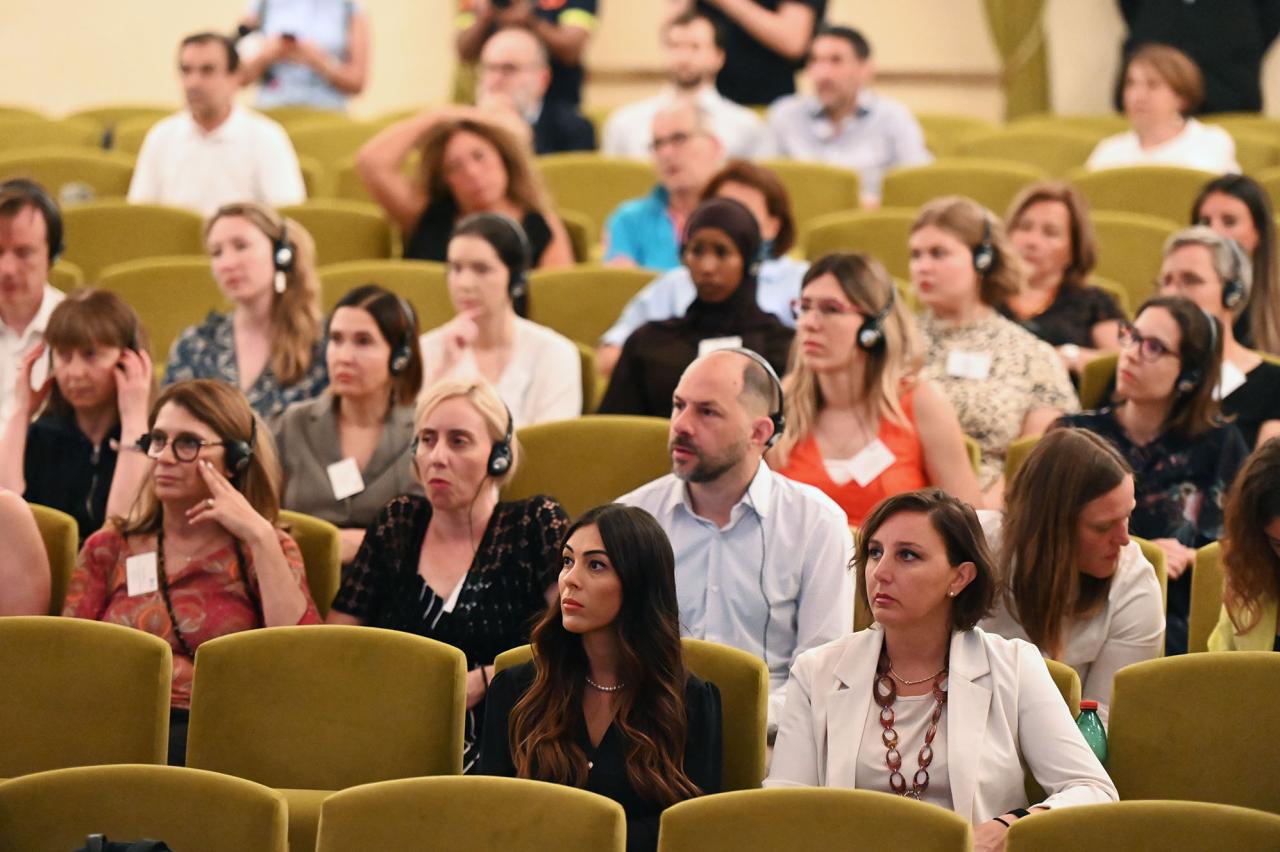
(778, 415)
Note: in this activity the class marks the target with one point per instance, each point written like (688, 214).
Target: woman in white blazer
(963, 707)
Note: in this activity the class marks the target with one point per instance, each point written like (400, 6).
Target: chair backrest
(329, 139)
(24, 132)
(169, 294)
(107, 117)
(321, 546)
(584, 234)
(129, 133)
(1131, 250)
(593, 184)
(343, 230)
(1165, 191)
(1165, 733)
(1100, 124)
(473, 812)
(298, 115)
(79, 692)
(71, 175)
(816, 189)
(1117, 291)
(1156, 557)
(1057, 151)
(880, 233)
(327, 707)
(993, 183)
(1255, 149)
(1206, 596)
(1095, 379)
(66, 276)
(1016, 455)
(591, 380)
(101, 233)
(810, 819)
(1125, 826)
(61, 536)
(630, 451)
(581, 302)
(944, 132)
(190, 810)
(421, 282)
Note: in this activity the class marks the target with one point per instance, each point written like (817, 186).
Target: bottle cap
(1088, 705)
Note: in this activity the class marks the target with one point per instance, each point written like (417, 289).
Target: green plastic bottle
(1091, 727)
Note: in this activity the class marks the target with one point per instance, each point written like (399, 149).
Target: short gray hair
(1229, 260)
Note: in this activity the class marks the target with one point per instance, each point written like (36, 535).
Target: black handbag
(99, 843)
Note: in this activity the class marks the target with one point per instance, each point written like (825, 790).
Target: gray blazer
(307, 435)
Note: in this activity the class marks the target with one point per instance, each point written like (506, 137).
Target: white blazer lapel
(968, 703)
(848, 705)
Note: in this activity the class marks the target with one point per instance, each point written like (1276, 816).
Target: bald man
(514, 74)
(761, 561)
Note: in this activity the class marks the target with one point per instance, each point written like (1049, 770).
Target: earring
(280, 281)
(951, 594)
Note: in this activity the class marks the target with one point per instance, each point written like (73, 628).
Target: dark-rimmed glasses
(186, 448)
(1150, 349)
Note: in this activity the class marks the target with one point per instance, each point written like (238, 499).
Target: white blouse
(911, 720)
(1198, 146)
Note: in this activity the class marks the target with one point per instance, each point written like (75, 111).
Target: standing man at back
(214, 152)
(761, 561)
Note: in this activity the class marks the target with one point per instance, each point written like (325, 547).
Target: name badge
(969, 365)
(874, 459)
(1230, 381)
(712, 344)
(141, 574)
(345, 478)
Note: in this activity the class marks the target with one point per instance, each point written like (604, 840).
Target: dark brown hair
(957, 524)
(776, 198)
(1084, 246)
(1251, 567)
(397, 322)
(85, 319)
(1194, 411)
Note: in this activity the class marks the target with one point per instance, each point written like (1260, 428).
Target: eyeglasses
(504, 69)
(186, 448)
(825, 308)
(1150, 349)
(676, 140)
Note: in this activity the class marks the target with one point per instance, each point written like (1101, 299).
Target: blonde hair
(969, 222)
(485, 400)
(886, 372)
(295, 314)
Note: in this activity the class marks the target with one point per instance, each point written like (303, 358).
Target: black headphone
(1190, 377)
(240, 453)
(871, 332)
(500, 456)
(984, 255)
(36, 195)
(1235, 290)
(402, 355)
(777, 417)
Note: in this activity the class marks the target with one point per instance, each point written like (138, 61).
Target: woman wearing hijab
(721, 248)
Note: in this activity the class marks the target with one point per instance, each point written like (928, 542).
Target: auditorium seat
(810, 819)
(321, 546)
(943, 132)
(1154, 826)
(1198, 727)
(108, 117)
(1117, 291)
(321, 708)
(881, 233)
(1057, 151)
(61, 536)
(344, 230)
(992, 183)
(129, 133)
(189, 810)
(1156, 557)
(65, 275)
(1255, 149)
(474, 812)
(330, 139)
(296, 115)
(593, 184)
(71, 174)
(169, 294)
(9, 111)
(584, 236)
(581, 302)
(1095, 380)
(18, 132)
(421, 282)
(591, 379)
(78, 692)
(1015, 455)
(1163, 191)
(100, 233)
(816, 189)
(1101, 124)
(1131, 249)
(1206, 596)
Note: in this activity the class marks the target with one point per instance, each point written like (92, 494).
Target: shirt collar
(49, 298)
(866, 103)
(757, 496)
(229, 125)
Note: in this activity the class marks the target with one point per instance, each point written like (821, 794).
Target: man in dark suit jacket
(514, 75)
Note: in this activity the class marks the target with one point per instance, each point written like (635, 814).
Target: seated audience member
(1005, 383)
(311, 55)
(563, 28)
(765, 42)
(777, 281)
(271, 344)
(471, 163)
(1165, 422)
(1048, 224)
(874, 708)
(860, 426)
(1251, 557)
(215, 152)
(686, 153)
(1213, 271)
(1071, 582)
(760, 559)
(845, 123)
(537, 372)
(345, 454)
(200, 555)
(607, 704)
(1236, 206)
(693, 50)
(721, 245)
(24, 567)
(457, 565)
(30, 241)
(94, 404)
(1163, 89)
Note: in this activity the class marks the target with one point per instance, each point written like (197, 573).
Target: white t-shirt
(1198, 146)
(13, 346)
(246, 158)
(629, 130)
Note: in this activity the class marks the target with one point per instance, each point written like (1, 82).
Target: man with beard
(844, 123)
(694, 53)
(761, 561)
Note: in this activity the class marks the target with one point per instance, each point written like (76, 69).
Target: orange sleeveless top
(907, 472)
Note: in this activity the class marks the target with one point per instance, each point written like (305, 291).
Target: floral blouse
(994, 373)
(208, 351)
(208, 595)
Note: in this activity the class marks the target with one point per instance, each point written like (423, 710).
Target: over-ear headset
(34, 193)
(240, 453)
(984, 255)
(1235, 290)
(282, 255)
(518, 285)
(500, 456)
(777, 416)
(1190, 377)
(402, 355)
(871, 332)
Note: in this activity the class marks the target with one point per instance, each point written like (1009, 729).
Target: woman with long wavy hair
(1251, 557)
(606, 703)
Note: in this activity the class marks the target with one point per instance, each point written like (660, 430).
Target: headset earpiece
(500, 455)
(777, 416)
(1189, 378)
(283, 256)
(1235, 290)
(240, 453)
(402, 355)
(871, 332)
(984, 256)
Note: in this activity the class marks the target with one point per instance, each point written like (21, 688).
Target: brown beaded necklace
(885, 692)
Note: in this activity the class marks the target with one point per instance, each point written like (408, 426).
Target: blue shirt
(641, 229)
(882, 134)
(671, 294)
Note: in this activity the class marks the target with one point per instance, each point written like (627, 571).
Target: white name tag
(345, 478)
(712, 344)
(969, 365)
(874, 459)
(1230, 381)
(141, 575)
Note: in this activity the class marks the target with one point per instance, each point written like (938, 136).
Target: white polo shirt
(246, 158)
(14, 345)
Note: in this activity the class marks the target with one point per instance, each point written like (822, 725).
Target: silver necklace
(616, 688)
